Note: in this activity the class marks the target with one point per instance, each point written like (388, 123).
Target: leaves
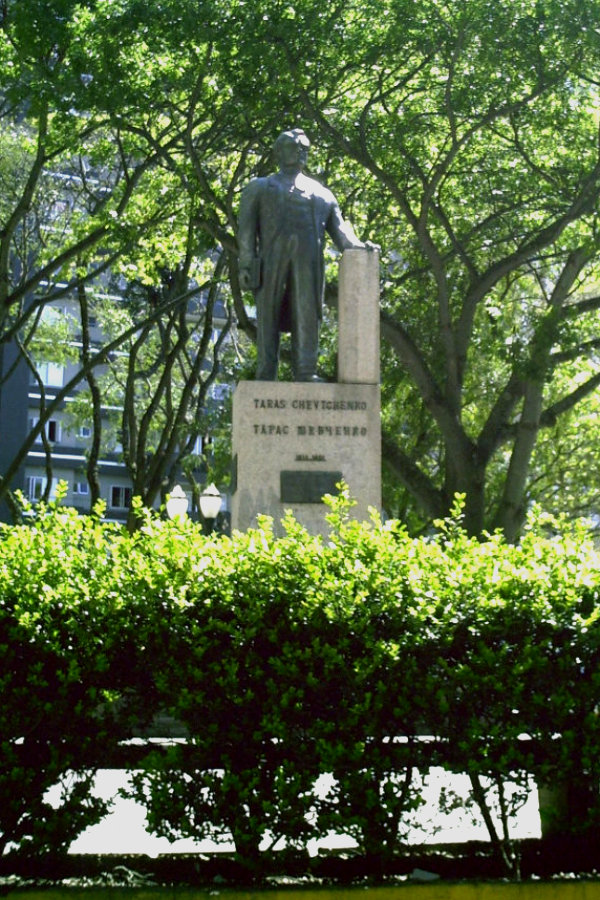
(462, 138)
(289, 659)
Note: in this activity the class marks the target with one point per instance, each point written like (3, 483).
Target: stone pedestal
(293, 442)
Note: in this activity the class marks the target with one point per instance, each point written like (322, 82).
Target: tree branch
(550, 415)
(497, 428)
(412, 477)
(583, 203)
(458, 442)
(574, 310)
(577, 352)
(21, 208)
(86, 356)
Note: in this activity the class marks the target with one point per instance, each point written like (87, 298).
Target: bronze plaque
(307, 486)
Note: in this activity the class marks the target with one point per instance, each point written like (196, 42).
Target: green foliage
(461, 137)
(57, 674)
(291, 658)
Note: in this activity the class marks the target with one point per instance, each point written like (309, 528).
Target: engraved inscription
(271, 429)
(331, 431)
(269, 403)
(311, 405)
(333, 405)
(301, 428)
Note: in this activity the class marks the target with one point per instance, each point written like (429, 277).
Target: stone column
(358, 318)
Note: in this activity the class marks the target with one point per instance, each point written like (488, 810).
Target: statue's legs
(268, 310)
(267, 338)
(290, 278)
(305, 314)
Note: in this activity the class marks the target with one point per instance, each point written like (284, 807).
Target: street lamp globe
(177, 503)
(210, 503)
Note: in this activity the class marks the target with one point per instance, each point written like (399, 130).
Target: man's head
(291, 148)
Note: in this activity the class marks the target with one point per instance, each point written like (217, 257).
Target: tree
(462, 137)
(84, 196)
(162, 379)
(475, 128)
(76, 177)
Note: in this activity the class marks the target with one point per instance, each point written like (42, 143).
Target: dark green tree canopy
(461, 136)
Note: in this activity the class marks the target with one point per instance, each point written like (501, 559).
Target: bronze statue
(282, 224)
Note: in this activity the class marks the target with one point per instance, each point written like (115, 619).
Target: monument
(293, 442)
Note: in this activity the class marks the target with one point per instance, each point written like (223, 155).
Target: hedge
(370, 656)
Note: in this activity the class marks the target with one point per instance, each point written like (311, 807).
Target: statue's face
(293, 154)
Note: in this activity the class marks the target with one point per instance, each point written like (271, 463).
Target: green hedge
(370, 656)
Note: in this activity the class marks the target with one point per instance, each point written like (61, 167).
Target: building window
(198, 446)
(53, 314)
(81, 487)
(52, 375)
(51, 428)
(120, 497)
(85, 431)
(35, 485)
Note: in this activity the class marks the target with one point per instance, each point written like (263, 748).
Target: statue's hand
(250, 274)
(246, 279)
(364, 245)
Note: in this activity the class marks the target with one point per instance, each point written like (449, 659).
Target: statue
(282, 224)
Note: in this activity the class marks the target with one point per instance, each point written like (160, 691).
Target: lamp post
(210, 505)
(177, 503)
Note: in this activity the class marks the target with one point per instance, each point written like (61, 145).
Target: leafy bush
(58, 674)
(370, 657)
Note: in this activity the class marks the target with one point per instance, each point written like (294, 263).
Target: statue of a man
(282, 224)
